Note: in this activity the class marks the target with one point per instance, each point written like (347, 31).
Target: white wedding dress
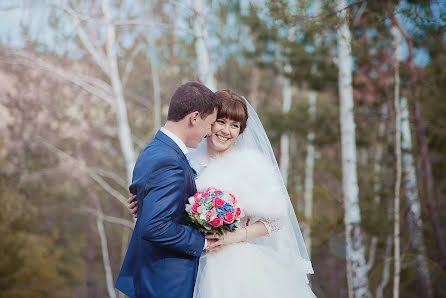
(267, 266)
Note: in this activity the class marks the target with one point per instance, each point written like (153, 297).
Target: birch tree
(309, 159)
(106, 58)
(413, 201)
(423, 148)
(355, 250)
(205, 72)
(121, 110)
(309, 169)
(154, 58)
(377, 187)
(284, 137)
(396, 209)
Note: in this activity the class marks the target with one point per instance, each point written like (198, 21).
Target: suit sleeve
(165, 197)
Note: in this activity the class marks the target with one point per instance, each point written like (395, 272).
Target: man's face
(202, 128)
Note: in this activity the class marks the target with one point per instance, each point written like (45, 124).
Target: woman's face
(223, 135)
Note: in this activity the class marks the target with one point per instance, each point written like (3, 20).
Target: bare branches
(94, 50)
(406, 36)
(108, 218)
(129, 66)
(92, 85)
(80, 165)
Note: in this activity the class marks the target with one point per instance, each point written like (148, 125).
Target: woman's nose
(225, 129)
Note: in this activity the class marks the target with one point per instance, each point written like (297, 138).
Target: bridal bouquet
(213, 211)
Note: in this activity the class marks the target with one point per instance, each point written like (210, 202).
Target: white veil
(288, 240)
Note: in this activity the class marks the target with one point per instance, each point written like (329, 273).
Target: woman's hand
(133, 205)
(256, 230)
(229, 238)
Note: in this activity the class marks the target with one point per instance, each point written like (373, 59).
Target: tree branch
(107, 187)
(95, 52)
(80, 80)
(406, 36)
(108, 218)
(129, 66)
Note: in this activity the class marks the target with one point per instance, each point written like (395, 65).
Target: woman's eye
(220, 121)
(235, 125)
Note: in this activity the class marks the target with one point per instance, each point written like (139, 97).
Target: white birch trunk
(105, 256)
(156, 90)
(297, 180)
(244, 7)
(396, 210)
(309, 160)
(379, 156)
(377, 198)
(205, 73)
(309, 169)
(121, 110)
(285, 138)
(411, 192)
(355, 254)
(386, 268)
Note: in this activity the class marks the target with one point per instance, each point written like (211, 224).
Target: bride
(266, 256)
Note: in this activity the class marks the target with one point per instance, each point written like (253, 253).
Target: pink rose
(211, 189)
(229, 218)
(205, 195)
(219, 202)
(194, 208)
(238, 211)
(198, 196)
(216, 222)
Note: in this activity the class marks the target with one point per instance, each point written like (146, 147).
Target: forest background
(351, 93)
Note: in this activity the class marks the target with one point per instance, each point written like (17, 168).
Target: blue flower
(228, 207)
(221, 212)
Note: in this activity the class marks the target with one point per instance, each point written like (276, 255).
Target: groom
(162, 257)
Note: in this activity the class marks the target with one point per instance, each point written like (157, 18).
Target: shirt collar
(176, 139)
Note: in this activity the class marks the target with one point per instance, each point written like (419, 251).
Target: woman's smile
(224, 134)
(222, 138)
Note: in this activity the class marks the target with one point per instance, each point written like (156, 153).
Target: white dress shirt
(176, 139)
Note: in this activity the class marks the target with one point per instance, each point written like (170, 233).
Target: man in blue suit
(162, 257)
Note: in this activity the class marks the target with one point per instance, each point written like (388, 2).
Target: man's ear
(194, 117)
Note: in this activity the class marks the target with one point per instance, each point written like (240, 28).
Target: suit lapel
(160, 136)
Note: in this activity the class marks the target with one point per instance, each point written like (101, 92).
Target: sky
(14, 16)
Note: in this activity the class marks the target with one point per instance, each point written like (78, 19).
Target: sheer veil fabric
(287, 241)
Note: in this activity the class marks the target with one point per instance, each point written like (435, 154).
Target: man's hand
(216, 242)
(211, 241)
(133, 205)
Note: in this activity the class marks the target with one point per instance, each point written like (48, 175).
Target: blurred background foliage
(62, 168)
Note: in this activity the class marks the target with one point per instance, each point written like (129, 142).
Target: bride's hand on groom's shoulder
(133, 205)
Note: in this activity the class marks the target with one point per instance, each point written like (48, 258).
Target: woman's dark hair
(233, 107)
(191, 97)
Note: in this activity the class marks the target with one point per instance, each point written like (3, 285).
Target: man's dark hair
(191, 97)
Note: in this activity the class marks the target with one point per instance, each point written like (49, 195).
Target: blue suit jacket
(162, 257)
